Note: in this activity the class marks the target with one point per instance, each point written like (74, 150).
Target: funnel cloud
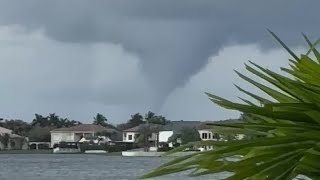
(124, 56)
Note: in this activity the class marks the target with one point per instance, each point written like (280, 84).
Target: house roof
(5, 131)
(9, 131)
(85, 128)
(206, 124)
(133, 129)
(141, 126)
(16, 136)
(177, 126)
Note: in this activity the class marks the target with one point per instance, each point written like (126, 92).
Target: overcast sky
(118, 57)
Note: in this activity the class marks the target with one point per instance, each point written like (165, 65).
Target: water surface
(79, 167)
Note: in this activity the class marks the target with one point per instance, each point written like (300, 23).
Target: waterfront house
(223, 136)
(11, 140)
(131, 134)
(206, 132)
(143, 134)
(76, 133)
(174, 128)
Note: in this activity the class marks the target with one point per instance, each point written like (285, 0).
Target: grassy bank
(26, 152)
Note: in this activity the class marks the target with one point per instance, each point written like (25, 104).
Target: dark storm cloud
(173, 38)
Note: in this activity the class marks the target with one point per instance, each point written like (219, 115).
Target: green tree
(152, 118)
(4, 139)
(53, 120)
(17, 126)
(149, 116)
(145, 132)
(99, 119)
(40, 134)
(136, 120)
(189, 134)
(40, 120)
(289, 122)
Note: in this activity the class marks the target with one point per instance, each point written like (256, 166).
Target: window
(204, 136)
(130, 137)
(209, 136)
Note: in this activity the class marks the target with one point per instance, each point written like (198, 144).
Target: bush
(109, 148)
(164, 149)
(68, 145)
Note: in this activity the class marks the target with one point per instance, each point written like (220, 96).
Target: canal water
(81, 167)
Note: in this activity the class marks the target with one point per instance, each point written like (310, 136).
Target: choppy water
(79, 167)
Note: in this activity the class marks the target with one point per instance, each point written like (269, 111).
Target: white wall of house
(97, 140)
(205, 134)
(57, 137)
(164, 136)
(129, 136)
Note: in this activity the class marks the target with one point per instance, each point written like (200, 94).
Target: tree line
(39, 128)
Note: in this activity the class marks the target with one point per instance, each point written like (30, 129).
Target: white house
(129, 135)
(164, 135)
(76, 133)
(175, 128)
(206, 134)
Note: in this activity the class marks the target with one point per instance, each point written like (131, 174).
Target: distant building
(224, 137)
(146, 134)
(14, 141)
(175, 128)
(206, 132)
(131, 134)
(76, 133)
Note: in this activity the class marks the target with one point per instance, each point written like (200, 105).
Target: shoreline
(5, 152)
(25, 152)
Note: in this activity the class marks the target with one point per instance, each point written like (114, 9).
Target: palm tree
(100, 120)
(152, 118)
(289, 125)
(136, 120)
(54, 120)
(40, 120)
(149, 116)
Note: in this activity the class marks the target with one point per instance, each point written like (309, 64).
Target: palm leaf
(289, 125)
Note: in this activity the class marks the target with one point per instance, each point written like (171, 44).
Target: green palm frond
(289, 123)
